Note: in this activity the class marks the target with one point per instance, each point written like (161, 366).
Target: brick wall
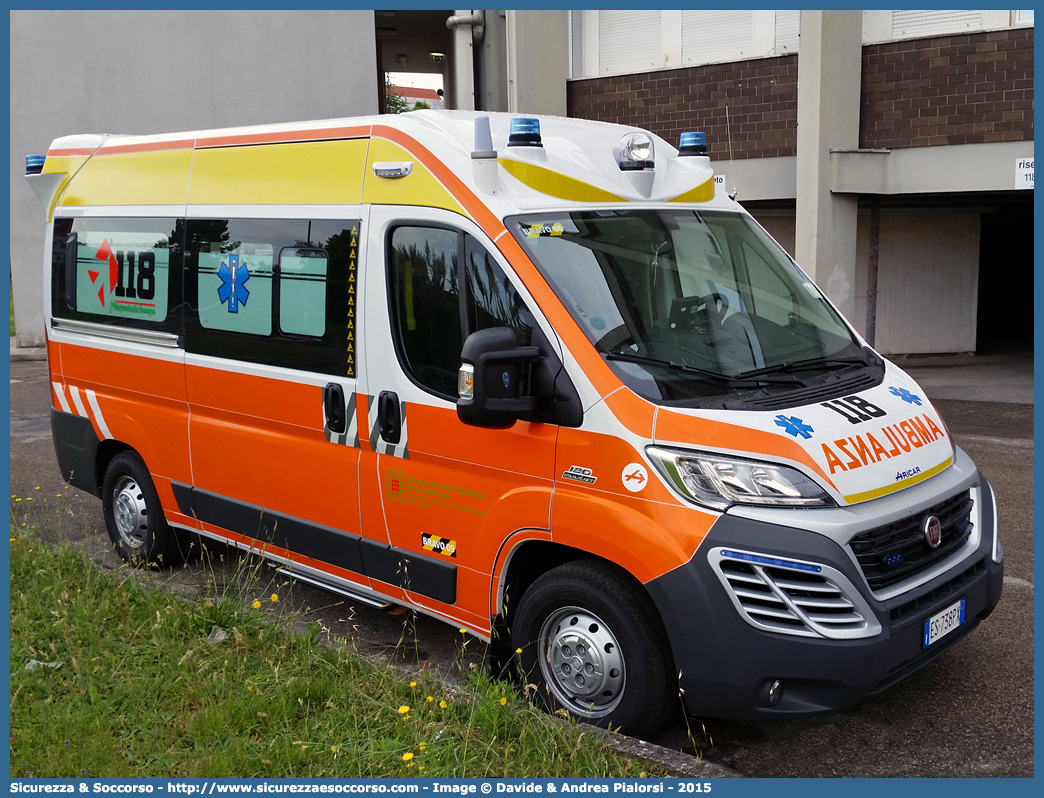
(948, 90)
(944, 90)
(761, 96)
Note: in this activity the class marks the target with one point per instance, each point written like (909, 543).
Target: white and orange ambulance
(533, 377)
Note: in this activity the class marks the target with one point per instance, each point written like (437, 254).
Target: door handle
(389, 419)
(334, 408)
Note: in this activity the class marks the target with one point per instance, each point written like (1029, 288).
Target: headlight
(716, 481)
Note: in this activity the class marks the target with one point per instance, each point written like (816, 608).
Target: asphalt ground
(968, 713)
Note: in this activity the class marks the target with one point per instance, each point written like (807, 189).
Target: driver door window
(431, 317)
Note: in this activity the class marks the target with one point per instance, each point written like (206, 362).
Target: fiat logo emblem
(932, 531)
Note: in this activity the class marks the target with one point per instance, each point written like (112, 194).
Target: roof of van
(576, 164)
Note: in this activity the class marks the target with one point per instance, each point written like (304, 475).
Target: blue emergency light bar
(34, 164)
(692, 143)
(524, 132)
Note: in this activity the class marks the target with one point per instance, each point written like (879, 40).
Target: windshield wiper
(726, 379)
(800, 365)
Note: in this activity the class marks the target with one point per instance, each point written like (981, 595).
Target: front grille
(792, 601)
(894, 552)
(950, 589)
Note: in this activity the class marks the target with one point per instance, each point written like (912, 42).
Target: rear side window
(276, 291)
(116, 271)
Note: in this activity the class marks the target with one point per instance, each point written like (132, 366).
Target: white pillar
(463, 66)
(829, 68)
(537, 56)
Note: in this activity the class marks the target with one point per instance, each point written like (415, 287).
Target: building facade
(917, 159)
(163, 72)
(906, 191)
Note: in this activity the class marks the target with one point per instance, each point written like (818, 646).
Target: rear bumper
(76, 445)
(727, 664)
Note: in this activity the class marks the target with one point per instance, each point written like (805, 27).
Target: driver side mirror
(491, 378)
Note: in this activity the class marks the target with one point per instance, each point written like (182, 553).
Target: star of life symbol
(233, 278)
(906, 396)
(794, 426)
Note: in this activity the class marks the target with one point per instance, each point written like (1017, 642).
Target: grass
(113, 677)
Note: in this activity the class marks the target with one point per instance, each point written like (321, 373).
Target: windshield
(685, 304)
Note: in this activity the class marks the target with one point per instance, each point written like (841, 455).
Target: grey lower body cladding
(727, 665)
(419, 574)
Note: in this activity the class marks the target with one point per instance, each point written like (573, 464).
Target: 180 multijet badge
(580, 474)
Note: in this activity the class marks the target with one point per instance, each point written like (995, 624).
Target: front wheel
(593, 644)
(133, 515)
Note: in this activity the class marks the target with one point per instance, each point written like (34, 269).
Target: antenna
(728, 132)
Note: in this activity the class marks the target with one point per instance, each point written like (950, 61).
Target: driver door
(451, 493)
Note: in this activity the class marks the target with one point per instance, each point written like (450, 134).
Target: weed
(135, 684)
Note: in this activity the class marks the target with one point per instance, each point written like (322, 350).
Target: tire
(133, 515)
(596, 617)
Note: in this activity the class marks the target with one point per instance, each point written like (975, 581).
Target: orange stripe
(71, 152)
(284, 136)
(465, 196)
(573, 338)
(153, 146)
(632, 411)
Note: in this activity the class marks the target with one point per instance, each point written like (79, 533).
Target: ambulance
(536, 377)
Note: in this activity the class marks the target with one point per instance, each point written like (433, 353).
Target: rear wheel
(594, 645)
(133, 515)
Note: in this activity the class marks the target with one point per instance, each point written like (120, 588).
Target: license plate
(942, 623)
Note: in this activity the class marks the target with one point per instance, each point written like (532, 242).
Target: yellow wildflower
(275, 597)
(413, 684)
(407, 756)
(443, 704)
(257, 604)
(429, 699)
(503, 701)
(404, 709)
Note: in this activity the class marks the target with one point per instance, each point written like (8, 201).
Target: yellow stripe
(135, 178)
(309, 172)
(704, 192)
(419, 188)
(555, 184)
(63, 163)
(67, 165)
(874, 494)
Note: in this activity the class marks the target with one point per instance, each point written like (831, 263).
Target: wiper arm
(726, 379)
(801, 365)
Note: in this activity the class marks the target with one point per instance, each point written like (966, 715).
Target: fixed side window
(431, 315)
(275, 291)
(121, 271)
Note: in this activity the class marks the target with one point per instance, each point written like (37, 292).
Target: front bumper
(726, 664)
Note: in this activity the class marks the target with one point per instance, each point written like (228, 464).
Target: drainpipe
(464, 55)
(871, 274)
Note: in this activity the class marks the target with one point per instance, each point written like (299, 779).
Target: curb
(18, 355)
(677, 763)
